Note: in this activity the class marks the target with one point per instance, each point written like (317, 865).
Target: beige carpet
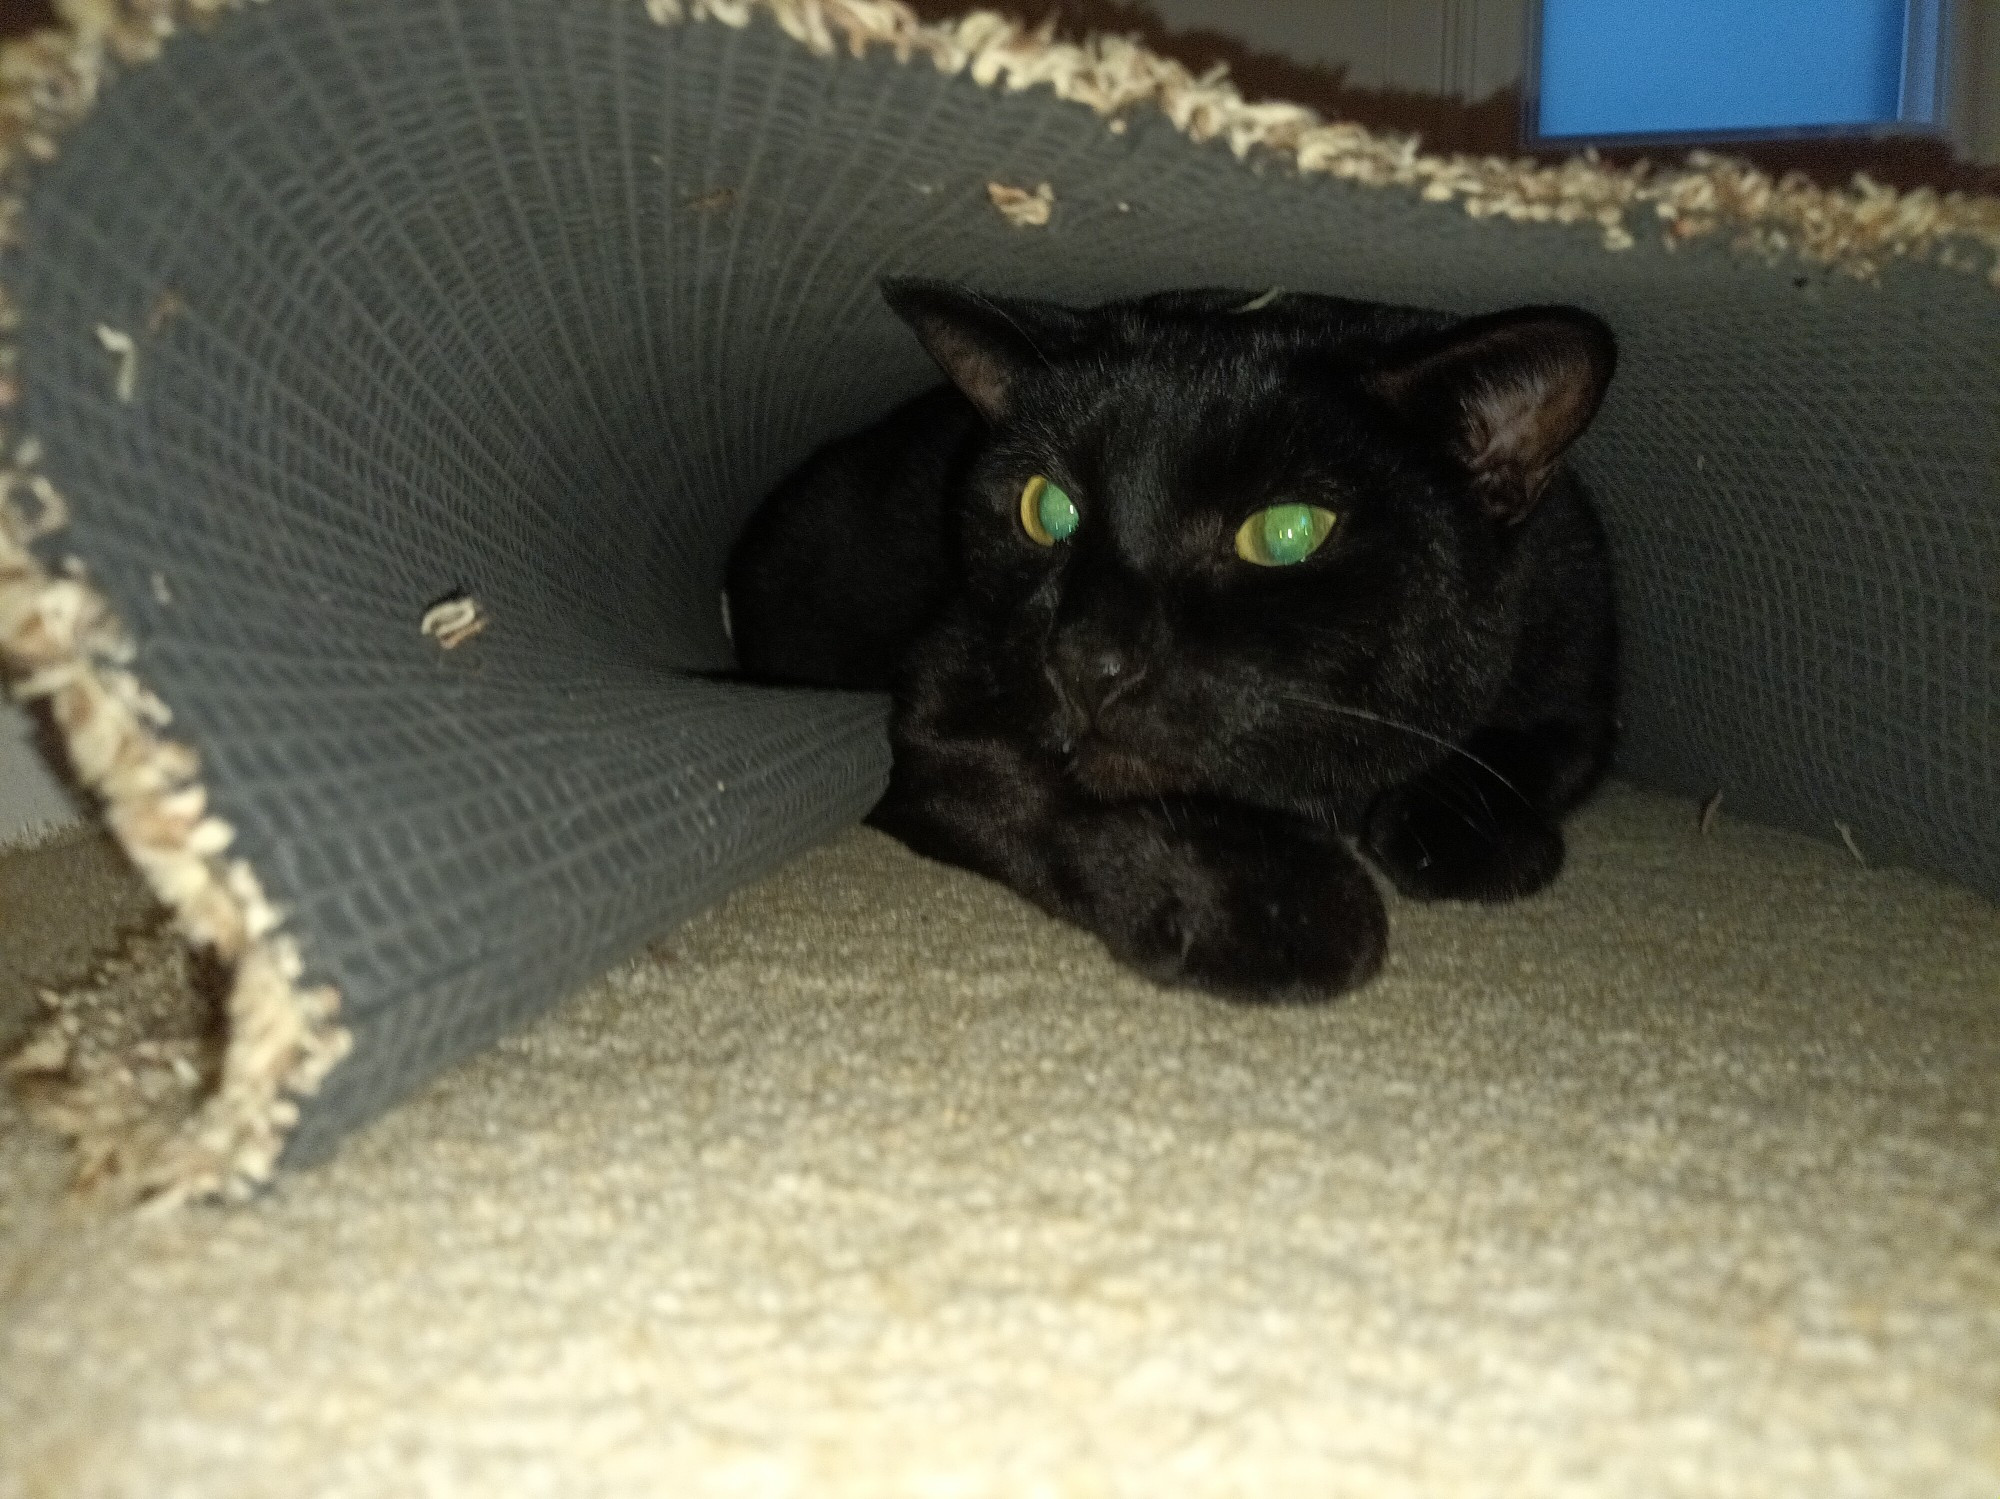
(1684, 1179)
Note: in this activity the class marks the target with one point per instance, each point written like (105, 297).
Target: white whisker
(1346, 711)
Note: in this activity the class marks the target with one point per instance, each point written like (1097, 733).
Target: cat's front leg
(1240, 902)
(1243, 903)
(1482, 824)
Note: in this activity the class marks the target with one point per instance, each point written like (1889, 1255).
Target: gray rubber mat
(533, 300)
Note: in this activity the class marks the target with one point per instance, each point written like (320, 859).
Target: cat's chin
(1113, 774)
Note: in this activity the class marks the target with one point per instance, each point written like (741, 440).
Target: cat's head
(1217, 540)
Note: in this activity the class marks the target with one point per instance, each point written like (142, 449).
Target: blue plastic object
(1687, 67)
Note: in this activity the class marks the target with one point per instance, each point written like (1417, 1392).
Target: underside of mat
(388, 378)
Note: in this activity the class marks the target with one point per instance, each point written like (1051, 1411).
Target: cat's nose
(1094, 673)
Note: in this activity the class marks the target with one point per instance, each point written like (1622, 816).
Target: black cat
(1179, 597)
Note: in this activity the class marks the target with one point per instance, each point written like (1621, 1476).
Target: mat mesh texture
(534, 301)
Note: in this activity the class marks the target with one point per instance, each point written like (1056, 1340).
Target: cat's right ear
(1508, 393)
(982, 344)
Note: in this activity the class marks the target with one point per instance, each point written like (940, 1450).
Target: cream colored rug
(1681, 1180)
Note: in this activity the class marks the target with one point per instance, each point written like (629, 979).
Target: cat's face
(1256, 555)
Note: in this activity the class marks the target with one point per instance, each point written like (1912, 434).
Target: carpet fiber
(872, 1181)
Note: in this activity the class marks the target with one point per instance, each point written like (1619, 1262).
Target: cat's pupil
(1288, 532)
(1283, 534)
(1056, 511)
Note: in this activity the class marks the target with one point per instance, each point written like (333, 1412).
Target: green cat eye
(1047, 514)
(1283, 534)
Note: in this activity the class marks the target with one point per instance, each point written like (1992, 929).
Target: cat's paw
(1268, 925)
(1434, 846)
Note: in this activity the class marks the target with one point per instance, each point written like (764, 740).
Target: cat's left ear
(984, 344)
(1508, 393)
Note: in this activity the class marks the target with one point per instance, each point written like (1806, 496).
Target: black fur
(1150, 737)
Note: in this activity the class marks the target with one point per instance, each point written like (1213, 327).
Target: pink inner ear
(1517, 426)
(1510, 422)
(1502, 421)
(974, 369)
(1508, 393)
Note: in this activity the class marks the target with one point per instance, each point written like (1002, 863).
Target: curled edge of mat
(1855, 230)
(62, 642)
(48, 80)
(63, 646)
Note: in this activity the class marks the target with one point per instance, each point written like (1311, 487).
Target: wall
(1975, 94)
(1466, 49)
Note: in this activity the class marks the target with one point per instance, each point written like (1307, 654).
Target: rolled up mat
(387, 379)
